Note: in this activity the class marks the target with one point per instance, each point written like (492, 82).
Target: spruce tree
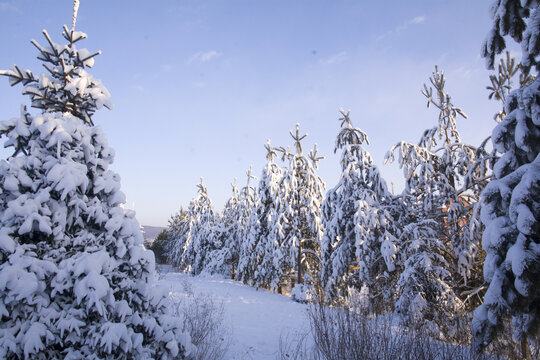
(444, 177)
(75, 279)
(510, 202)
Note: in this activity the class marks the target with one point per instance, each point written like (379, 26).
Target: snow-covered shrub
(204, 321)
(337, 333)
(358, 300)
(303, 293)
(75, 279)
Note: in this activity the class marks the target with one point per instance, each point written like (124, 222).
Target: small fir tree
(240, 240)
(426, 298)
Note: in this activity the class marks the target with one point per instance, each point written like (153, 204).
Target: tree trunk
(525, 350)
(300, 279)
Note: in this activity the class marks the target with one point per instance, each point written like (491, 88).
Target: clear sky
(199, 86)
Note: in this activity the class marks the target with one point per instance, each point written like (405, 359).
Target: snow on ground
(257, 317)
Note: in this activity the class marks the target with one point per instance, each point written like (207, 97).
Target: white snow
(257, 318)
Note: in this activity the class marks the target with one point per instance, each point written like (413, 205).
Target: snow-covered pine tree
(239, 240)
(510, 202)
(256, 260)
(219, 260)
(177, 234)
(426, 298)
(203, 234)
(444, 178)
(234, 229)
(357, 249)
(75, 279)
(304, 194)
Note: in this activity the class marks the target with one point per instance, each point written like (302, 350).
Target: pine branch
(17, 76)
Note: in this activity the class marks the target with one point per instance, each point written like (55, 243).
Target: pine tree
(234, 230)
(444, 178)
(220, 259)
(203, 233)
(510, 206)
(357, 250)
(246, 205)
(177, 232)
(256, 260)
(426, 298)
(304, 193)
(75, 279)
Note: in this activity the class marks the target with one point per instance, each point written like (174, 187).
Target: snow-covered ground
(257, 318)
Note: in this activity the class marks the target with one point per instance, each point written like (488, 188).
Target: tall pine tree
(444, 177)
(256, 261)
(302, 226)
(357, 250)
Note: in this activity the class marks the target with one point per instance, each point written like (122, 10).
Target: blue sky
(199, 86)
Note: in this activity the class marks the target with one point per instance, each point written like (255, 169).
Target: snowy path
(257, 318)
